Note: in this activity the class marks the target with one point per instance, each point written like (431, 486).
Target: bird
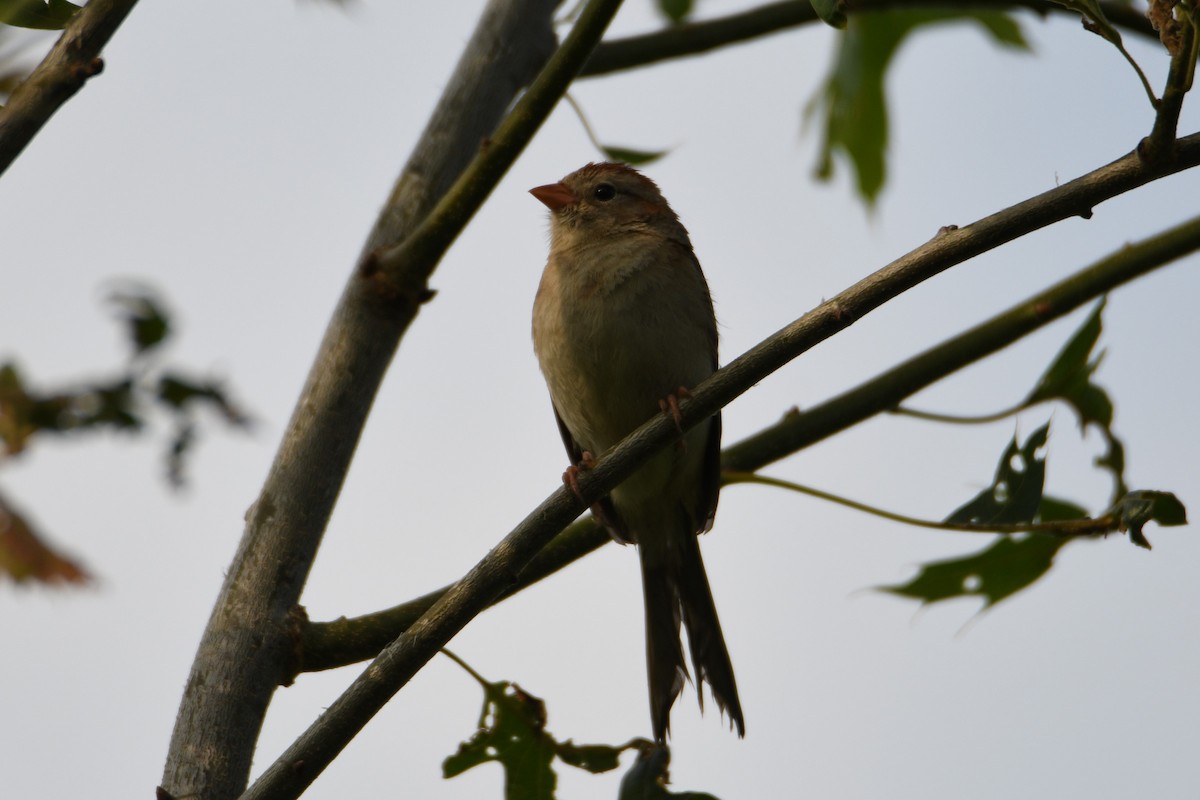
(623, 327)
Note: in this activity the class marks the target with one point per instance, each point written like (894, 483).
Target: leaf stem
(956, 419)
(1061, 528)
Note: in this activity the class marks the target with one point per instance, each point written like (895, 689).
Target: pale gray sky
(233, 155)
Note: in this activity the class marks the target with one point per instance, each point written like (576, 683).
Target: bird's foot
(670, 405)
(571, 476)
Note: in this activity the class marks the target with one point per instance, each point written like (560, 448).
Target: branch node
(383, 286)
(945, 229)
(83, 70)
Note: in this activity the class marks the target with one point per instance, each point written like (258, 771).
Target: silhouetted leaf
(1137, 508)
(1008, 565)
(1069, 379)
(594, 758)
(852, 100)
(676, 10)
(1016, 491)
(511, 732)
(1052, 509)
(46, 15)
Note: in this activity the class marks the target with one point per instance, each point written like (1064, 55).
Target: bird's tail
(676, 589)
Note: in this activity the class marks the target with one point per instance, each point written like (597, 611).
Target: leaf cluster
(126, 401)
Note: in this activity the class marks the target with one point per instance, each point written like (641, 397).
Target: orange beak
(554, 196)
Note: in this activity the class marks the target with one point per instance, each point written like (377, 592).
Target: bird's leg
(670, 405)
(571, 476)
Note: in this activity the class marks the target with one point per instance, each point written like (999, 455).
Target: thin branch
(1179, 83)
(249, 642)
(433, 616)
(694, 38)
(74, 58)
(409, 263)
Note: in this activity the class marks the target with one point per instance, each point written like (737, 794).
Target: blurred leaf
(25, 556)
(512, 733)
(676, 11)
(183, 394)
(1008, 565)
(647, 778)
(1053, 509)
(852, 100)
(15, 426)
(1139, 507)
(1069, 379)
(1016, 491)
(177, 451)
(831, 12)
(23, 413)
(634, 158)
(594, 758)
(148, 324)
(47, 15)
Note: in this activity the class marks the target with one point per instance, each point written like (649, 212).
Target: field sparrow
(622, 325)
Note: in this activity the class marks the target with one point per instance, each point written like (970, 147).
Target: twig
(1062, 529)
(694, 38)
(74, 58)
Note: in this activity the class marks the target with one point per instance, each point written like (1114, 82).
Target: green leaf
(630, 156)
(677, 11)
(1137, 508)
(1007, 566)
(831, 12)
(511, 733)
(1016, 491)
(46, 15)
(1069, 379)
(852, 100)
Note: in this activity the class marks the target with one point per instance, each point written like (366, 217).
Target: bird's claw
(670, 405)
(571, 475)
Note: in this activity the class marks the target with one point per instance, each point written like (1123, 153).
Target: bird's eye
(604, 192)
